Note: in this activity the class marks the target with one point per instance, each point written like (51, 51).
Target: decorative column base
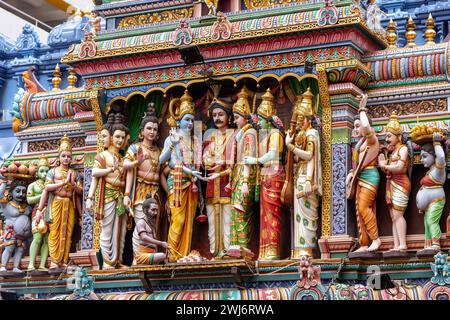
(85, 258)
(335, 246)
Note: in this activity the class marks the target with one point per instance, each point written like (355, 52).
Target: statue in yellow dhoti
(183, 151)
(62, 193)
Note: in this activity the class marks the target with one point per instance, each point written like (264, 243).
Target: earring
(141, 136)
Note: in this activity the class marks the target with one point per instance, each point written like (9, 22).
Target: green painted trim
(51, 121)
(343, 99)
(341, 135)
(406, 82)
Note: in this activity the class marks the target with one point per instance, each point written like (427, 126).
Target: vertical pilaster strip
(326, 150)
(99, 122)
(87, 229)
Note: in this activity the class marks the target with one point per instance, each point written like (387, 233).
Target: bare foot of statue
(362, 249)
(375, 245)
(53, 265)
(402, 248)
(43, 269)
(31, 268)
(2, 269)
(17, 270)
(107, 267)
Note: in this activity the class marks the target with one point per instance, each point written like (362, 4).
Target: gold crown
(242, 106)
(186, 105)
(65, 144)
(183, 106)
(305, 104)
(394, 126)
(423, 133)
(43, 161)
(266, 109)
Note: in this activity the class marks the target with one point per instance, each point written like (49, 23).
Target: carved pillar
(342, 219)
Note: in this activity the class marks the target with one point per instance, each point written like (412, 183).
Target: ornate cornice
(240, 30)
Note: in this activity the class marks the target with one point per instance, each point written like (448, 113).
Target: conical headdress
(242, 106)
(394, 125)
(267, 108)
(306, 104)
(43, 161)
(65, 144)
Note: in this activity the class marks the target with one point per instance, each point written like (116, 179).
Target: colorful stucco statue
(147, 250)
(182, 150)
(17, 225)
(110, 209)
(144, 172)
(364, 179)
(271, 142)
(308, 177)
(40, 231)
(217, 151)
(396, 164)
(243, 177)
(63, 188)
(105, 140)
(430, 199)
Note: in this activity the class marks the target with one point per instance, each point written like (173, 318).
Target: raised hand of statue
(363, 102)
(250, 160)
(438, 137)
(140, 156)
(244, 189)
(288, 139)
(174, 136)
(213, 176)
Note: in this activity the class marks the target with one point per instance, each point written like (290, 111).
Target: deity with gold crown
(39, 230)
(243, 177)
(305, 146)
(271, 143)
(62, 196)
(398, 184)
(183, 153)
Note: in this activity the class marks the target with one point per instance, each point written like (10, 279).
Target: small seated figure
(146, 253)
